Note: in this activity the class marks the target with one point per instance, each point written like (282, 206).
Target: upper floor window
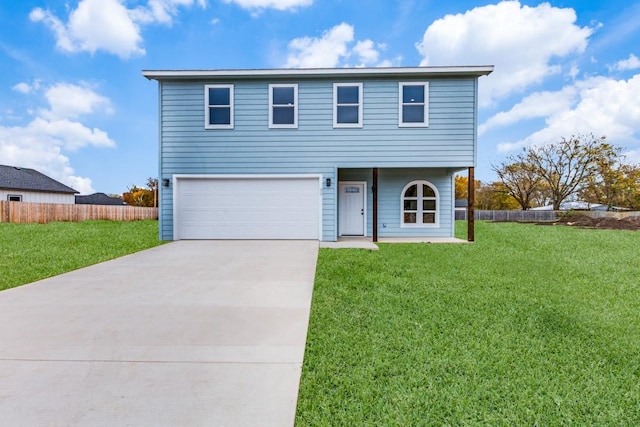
(414, 104)
(347, 105)
(419, 205)
(283, 106)
(219, 106)
(14, 198)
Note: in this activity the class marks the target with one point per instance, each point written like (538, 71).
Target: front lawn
(529, 326)
(29, 252)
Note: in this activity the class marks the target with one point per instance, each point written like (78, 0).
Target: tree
(520, 179)
(565, 166)
(462, 187)
(495, 196)
(137, 196)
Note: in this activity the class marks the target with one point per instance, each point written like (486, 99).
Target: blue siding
(315, 146)
(390, 185)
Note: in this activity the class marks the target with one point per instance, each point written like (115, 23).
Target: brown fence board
(20, 212)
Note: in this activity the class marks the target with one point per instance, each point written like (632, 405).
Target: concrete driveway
(191, 333)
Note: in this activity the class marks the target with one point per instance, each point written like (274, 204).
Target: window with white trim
(283, 105)
(14, 198)
(413, 108)
(218, 106)
(419, 205)
(347, 105)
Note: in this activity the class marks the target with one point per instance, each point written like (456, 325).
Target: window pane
(347, 115)
(413, 114)
(348, 94)
(409, 218)
(428, 218)
(411, 191)
(283, 96)
(283, 115)
(219, 96)
(428, 191)
(429, 205)
(219, 116)
(410, 205)
(412, 94)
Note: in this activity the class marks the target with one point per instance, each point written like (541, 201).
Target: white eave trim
(433, 71)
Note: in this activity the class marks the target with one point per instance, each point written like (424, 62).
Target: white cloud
(333, 49)
(162, 11)
(22, 87)
(40, 144)
(108, 25)
(631, 63)
(602, 106)
(326, 51)
(536, 105)
(521, 41)
(70, 101)
(271, 4)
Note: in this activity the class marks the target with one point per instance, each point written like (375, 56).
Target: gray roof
(314, 73)
(17, 178)
(98, 199)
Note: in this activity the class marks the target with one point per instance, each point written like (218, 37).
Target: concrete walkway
(191, 333)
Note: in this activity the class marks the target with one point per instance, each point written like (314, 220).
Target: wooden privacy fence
(537, 215)
(20, 212)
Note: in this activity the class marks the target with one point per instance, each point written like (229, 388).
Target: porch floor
(366, 242)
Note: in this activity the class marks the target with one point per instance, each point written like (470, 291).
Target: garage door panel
(260, 208)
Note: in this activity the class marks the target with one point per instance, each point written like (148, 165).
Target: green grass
(528, 326)
(29, 252)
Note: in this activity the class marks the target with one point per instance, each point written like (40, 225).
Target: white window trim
(425, 123)
(10, 196)
(419, 205)
(360, 106)
(206, 106)
(295, 107)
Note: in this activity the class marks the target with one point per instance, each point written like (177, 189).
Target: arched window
(419, 205)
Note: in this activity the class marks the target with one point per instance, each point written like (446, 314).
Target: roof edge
(467, 70)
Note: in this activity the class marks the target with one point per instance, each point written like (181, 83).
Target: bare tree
(520, 178)
(565, 166)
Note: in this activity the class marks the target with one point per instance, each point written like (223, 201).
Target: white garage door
(247, 207)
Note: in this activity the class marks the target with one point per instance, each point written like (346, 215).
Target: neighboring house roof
(578, 205)
(17, 178)
(314, 73)
(98, 199)
(461, 203)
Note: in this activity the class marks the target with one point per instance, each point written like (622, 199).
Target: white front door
(351, 205)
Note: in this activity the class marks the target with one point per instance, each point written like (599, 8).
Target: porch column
(470, 206)
(375, 204)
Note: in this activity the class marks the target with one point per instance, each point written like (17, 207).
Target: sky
(74, 105)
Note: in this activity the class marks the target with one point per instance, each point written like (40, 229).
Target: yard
(530, 325)
(30, 252)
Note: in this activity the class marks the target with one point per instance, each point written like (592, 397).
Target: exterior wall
(40, 197)
(315, 146)
(390, 185)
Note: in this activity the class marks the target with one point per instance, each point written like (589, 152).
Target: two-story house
(314, 153)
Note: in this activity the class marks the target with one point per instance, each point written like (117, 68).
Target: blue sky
(73, 103)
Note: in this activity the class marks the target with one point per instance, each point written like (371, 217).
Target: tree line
(140, 196)
(582, 167)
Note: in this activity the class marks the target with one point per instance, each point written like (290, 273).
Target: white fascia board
(310, 73)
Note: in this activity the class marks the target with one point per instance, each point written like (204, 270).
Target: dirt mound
(584, 221)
